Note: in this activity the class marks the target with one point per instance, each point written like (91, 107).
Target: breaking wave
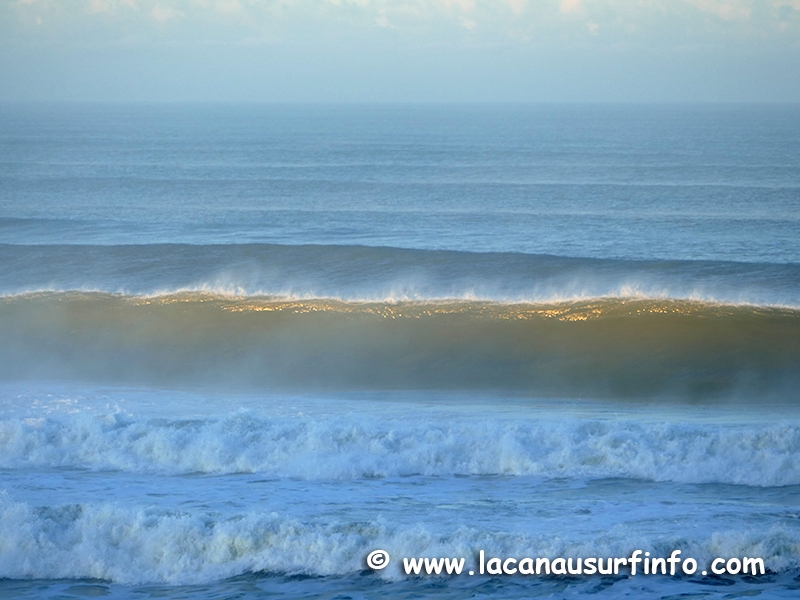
(380, 274)
(350, 447)
(134, 545)
(595, 348)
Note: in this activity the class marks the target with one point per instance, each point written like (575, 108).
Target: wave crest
(137, 545)
(347, 448)
(597, 348)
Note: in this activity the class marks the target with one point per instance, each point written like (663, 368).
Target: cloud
(109, 6)
(566, 7)
(517, 6)
(324, 48)
(644, 22)
(727, 11)
(466, 6)
(228, 6)
(162, 14)
(340, 2)
(99, 6)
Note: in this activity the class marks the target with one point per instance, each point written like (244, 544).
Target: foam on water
(114, 543)
(427, 442)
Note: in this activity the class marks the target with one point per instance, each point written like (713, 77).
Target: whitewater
(242, 347)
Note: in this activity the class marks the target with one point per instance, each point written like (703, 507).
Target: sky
(401, 50)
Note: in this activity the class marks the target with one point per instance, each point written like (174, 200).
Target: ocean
(244, 346)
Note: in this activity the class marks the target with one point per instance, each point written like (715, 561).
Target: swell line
(598, 348)
(385, 274)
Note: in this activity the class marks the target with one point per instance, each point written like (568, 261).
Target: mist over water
(379, 274)
(243, 346)
(602, 348)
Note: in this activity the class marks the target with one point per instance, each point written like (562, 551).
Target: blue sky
(400, 51)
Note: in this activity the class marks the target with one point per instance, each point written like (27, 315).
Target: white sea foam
(136, 545)
(338, 447)
(403, 293)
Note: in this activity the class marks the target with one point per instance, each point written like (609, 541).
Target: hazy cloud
(162, 14)
(569, 6)
(541, 15)
(571, 45)
(724, 10)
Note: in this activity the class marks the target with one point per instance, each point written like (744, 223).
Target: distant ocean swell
(133, 545)
(349, 447)
(594, 348)
(379, 274)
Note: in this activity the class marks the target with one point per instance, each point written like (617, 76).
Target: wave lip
(598, 348)
(379, 274)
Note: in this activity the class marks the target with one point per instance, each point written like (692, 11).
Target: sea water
(243, 346)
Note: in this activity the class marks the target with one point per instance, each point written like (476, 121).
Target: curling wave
(597, 348)
(380, 274)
